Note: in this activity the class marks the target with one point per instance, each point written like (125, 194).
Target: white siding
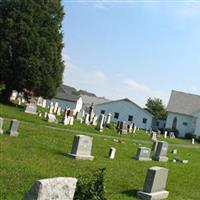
(197, 130)
(125, 108)
(181, 119)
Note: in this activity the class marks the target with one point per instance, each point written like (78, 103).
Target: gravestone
(108, 118)
(59, 188)
(14, 127)
(86, 118)
(44, 103)
(123, 127)
(174, 151)
(193, 141)
(161, 151)
(94, 122)
(154, 146)
(31, 108)
(51, 108)
(82, 148)
(39, 101)
(1, 126)
(13, 95)
(171, 135)
(66, 120)
(112, 152)
(55, 107)
(51, 118)
(130, 128)
(100, 122)
(165, 134)
(143, 153)
(134, 129)
(45, 115)
(58, 112)
(153, 135)
(71, 120)
(155, 184)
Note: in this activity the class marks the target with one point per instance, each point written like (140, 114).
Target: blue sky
(134, 49)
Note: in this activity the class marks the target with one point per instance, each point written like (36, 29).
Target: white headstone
(51, 118)
(58, 112)
(108, 118)
(1, 125)
(61, 188)
(44, 103)
(165, 134)
(193, 141)
(14, 127)
(134, 129)
(112, 152)
(55, 107)
(51, 108)
(100, 122)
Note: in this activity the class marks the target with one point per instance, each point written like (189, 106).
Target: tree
(155, 106)
(31, 46)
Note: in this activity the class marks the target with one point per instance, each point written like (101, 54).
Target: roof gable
(183, 103)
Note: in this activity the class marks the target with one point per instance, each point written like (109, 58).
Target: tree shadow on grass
(130, 193)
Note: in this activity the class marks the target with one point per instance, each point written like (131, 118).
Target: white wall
(125, 108)
(197, 130)
(180, 120)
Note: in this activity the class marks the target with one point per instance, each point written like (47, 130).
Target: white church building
(184, 113)
(126, 110)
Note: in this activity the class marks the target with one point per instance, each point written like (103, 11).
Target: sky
(132, 49)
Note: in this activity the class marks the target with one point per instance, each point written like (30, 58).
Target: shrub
(91, 187)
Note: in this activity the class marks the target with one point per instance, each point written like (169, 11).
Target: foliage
(92, 187)
(156, 107)
(31, 46)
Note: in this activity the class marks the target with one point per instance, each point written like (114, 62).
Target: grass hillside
(40, 151)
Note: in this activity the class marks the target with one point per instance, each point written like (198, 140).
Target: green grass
(40, 152)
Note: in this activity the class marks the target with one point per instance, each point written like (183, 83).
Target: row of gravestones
(63, 188)
(154, 186)
(13, 130)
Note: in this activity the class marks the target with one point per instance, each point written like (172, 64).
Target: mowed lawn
(41, 152)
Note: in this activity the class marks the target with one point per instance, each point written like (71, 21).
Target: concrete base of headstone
(81, 157)
(161, 159)
(153, 196)
(54, 188)
(144, 159)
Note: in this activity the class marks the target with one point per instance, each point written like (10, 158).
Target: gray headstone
(161, 151)
(154, 146)
(100, 122)
(1, 125)
(31, 108)
(155, 184)
(14, 127)
(82, 147)
(143, 153)
(60, 188)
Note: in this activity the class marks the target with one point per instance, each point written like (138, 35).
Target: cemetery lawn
(41, 152)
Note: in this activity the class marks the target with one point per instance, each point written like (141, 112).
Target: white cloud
(138, 86)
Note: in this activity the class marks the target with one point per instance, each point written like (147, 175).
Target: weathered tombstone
(108, 119)
(13, 95)
(153, 135)
(193, 141)
(100, 121)
(112, 152)
(154, 146)
(66, 120)
(86, 118)
(51, 118)
(174, 151)
(60, 188)
(55, 107)
(45, 115)
(44, 103)
(94, 121)
(134, 129)
(82, 148)
(165, 134)
(71, 121)
(130, 128)
(14, 127)
(31, 108)
(161, 151)
(155, 184)
(39, 101)
(171, 135)
(58, 112)
(51, 108)
(1, 126)
(123, 127)
(143, 153)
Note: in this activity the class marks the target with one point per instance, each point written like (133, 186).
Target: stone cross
(59, 188)
(1, 126)
(13, 127)
(143, 153)
(161, 151)
(155, 184)
(82, 148)
(112, 152)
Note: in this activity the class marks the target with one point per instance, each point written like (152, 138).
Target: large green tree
(156, 107)
(31, 46)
